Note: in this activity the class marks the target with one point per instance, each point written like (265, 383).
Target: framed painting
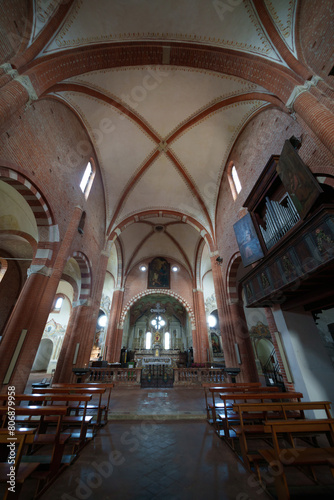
(159, 273)
(248, 241)
(298, 180)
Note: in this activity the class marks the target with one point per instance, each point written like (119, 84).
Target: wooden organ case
(295, 228)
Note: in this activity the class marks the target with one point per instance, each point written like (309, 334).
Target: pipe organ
(279, 219)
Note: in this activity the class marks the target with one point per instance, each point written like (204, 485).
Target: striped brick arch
(160, 291)
(86, 275)
(29, 192)
(231, 281)
(48, 233)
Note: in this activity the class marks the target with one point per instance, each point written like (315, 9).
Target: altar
(170, 357)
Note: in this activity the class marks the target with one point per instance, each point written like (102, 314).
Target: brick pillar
(76, 334)
(81, 329)
(4, 79)
(13, 96)
(202, 338)
(316, 116)
(225, 322)
(273, 328)
(90, 330)
(114, 333)
(64, 358)
(248, 368)
(31, 313)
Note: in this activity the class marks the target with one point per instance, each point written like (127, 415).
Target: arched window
(235, 179)
(58, 303)
(87, 179)
(148, 340)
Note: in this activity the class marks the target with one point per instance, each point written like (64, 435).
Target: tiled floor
(158, 445)
(141, 460)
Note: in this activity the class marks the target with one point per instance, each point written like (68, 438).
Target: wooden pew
(226, 418)
(70, 421)
(252, 418)
(102, 409)
(77, 419)
(279, 457)
(215, 392)
(207, 385)
(50, 463)
(22, 470)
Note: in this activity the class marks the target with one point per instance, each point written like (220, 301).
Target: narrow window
(58, 303)
(236, 180)
(148, 340)
(167, 340)
(86, 178)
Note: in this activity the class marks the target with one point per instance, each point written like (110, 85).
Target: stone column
(202, 340)
(24, 329)
(114, 333)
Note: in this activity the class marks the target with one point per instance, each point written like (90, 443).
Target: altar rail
(196, 376)
(119, 376)
(131, 377)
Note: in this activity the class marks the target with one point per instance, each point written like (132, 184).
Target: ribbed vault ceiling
(163, 133)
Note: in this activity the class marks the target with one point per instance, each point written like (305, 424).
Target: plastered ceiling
(162, 134)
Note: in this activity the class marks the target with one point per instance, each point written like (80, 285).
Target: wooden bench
(76, 391)
(102, 409)
(22, 470)
(49, 464)
(228, 417)
(207, 385)
(216, 406)
(256, 414)
(279, 457)
(79, 438)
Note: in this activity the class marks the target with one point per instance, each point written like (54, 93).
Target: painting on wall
(159, 273)
(215, 343)
(248, 241)
(298, 179)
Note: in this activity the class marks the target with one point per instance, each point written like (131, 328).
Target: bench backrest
(295, 427)
(261, 396)
(222, 384)
(96, 385)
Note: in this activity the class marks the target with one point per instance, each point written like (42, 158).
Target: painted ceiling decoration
(162, 132)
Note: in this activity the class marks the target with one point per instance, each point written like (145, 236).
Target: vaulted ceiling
(163, 129)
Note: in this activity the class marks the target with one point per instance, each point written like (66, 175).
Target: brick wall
(45, 144)
(13, 20)
(316, 36)
(262, 137)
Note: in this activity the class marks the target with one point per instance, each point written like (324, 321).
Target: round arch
(162, 291)
(48, 233)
